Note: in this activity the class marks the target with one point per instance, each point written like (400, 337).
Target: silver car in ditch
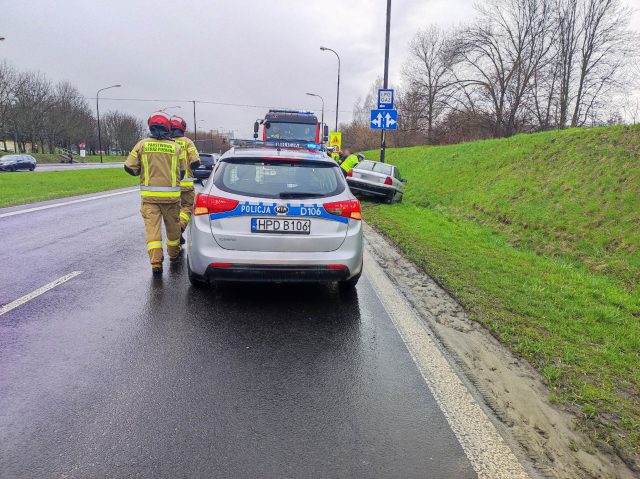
(275, 211)
(380, 180)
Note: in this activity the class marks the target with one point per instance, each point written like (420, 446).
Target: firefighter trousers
(187, 197)
(154, 214)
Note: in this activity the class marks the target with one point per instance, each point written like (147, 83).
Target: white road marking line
(28, 297)
(487, 451)
(65, 203)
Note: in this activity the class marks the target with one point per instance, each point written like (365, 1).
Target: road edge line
(65, 203)
(489, 454)
(34, 294)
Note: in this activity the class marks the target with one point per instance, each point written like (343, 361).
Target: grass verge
(537, 236)
(22, 187)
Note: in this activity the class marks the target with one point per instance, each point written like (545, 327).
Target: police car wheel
(350, 283)
(195, 280)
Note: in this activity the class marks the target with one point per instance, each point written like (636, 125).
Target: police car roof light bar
(289, 144)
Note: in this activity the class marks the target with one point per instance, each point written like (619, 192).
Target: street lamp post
(98, 114)
(322, 118)
(338, 92)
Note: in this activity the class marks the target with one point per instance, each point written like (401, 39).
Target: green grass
(539, 237)
(20, 188)
(54, 158)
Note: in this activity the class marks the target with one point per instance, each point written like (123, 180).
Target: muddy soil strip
(509, 386)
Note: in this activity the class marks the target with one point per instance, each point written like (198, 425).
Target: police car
(275, 211)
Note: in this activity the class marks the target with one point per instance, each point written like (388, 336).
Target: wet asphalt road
(115, 374)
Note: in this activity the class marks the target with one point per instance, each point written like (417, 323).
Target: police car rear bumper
(275, 273)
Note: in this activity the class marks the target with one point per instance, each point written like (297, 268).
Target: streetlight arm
(338, 89)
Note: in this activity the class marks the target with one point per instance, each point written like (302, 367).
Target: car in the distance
(275, 211)
(377, 179)
(207, 163)
(17, 162)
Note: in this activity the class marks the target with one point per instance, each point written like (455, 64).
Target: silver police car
(275, 211)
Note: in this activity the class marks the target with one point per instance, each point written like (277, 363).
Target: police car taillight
(348, 209)
(207, 204)
(388, 181)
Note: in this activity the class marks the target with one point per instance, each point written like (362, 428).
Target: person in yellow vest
(190, 160)
(157, 161)
(350, 162)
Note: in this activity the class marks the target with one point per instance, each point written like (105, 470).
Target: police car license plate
(280, 225)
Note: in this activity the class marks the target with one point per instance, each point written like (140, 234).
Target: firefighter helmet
(178, 123)
(161, 119)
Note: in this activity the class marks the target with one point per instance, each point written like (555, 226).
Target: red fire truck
(291, 125)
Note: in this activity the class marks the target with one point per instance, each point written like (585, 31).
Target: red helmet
(159, 118)
(177, 122)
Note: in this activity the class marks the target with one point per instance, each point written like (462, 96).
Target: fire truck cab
(291, 125)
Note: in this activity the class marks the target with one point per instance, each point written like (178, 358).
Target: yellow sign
(157, 147)
(335, 139)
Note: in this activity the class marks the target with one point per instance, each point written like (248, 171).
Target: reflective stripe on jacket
(189, 155)
(158, 164)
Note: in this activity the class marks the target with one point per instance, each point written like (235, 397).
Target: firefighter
(157, 161)
(190, 160)
(350, 162)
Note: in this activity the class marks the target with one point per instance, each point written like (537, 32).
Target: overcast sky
(249, 52)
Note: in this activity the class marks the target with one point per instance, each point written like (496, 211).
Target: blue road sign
(385, 99)
(384, 120)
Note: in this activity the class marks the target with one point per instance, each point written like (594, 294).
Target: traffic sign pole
(383, 145)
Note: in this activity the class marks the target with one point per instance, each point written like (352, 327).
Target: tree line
(40, 116)
(520, 66)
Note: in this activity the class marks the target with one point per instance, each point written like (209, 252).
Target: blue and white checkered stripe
(269, 209)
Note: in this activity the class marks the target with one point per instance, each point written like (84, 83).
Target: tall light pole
(383, 139)
(324, 49)
(322, 118)
(98, 113)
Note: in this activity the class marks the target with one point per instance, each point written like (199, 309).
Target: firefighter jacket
(188, 158)
(349, 162)
(157, 162)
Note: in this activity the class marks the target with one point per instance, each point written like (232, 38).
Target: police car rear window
(279, 179)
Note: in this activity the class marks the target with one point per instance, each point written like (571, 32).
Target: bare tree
(502, 53)
(7, 89)
(606, 45)
(70, 120)
(33, 100)
(429, 75)
(121, 131)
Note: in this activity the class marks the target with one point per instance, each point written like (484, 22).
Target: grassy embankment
(54, 158)
(539, 237)
(23, 187)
